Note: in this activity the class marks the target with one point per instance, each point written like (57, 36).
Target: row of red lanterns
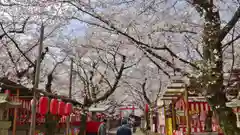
(56, 107)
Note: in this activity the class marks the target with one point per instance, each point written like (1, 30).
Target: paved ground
(138, 132)
(113, 132)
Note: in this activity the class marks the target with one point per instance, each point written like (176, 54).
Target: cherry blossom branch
(15, 30)
(225, 30)
(142, 45)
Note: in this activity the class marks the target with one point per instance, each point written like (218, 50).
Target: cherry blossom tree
(188, 37)
(193, 38)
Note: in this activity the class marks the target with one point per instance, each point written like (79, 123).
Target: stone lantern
(5, 105)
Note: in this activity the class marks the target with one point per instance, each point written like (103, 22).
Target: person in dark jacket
(124, 129)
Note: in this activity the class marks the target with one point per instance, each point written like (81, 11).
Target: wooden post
(15, 117)
(36, 82)
(165, 116)
(173, 116)
(70, 96)
(70, 79)
(187, 112)
(150, 117)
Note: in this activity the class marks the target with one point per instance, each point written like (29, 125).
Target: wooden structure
(5, 105)
(24, 96)
(185, 109)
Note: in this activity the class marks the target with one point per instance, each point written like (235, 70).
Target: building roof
(5, 103)
(25, 92)
(7, 84)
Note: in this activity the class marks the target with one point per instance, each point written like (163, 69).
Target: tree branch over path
(112, 87)
(100, 77)
(15, 43)
(48, 85)
(140, 44)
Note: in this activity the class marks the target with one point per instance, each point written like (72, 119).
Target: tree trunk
(94, 97)
(83, 124)
(213, 81)
(50, 124)
(147, 120)
(208, 122)
(226, 118)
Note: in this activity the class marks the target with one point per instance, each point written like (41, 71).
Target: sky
(75, 28)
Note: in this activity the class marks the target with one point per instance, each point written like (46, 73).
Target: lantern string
(41, 118)
(64, 98)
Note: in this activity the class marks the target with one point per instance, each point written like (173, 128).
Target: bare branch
(12, 59)
(14, 31)
(158, 92)
(48, 85)
(174, 30)
(93, 24)
(143, 86)
(17, 46)
(142, 45)
(36, 44)
(115, 84)
(159, 67)
(84, 79)
(225, 30)
(167, 62)
(8, 4)
(196, 48)
(230, 42)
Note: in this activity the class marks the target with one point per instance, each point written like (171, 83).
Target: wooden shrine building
(21, 97)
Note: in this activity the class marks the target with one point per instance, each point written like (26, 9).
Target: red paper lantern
(54, 106)
(61, 108)
(146, 108)
(68, 109)
(43, 105)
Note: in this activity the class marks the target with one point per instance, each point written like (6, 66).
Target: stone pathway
(113, 132)
(138, 132)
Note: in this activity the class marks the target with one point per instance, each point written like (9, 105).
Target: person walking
(124, 128)
(102, 130)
